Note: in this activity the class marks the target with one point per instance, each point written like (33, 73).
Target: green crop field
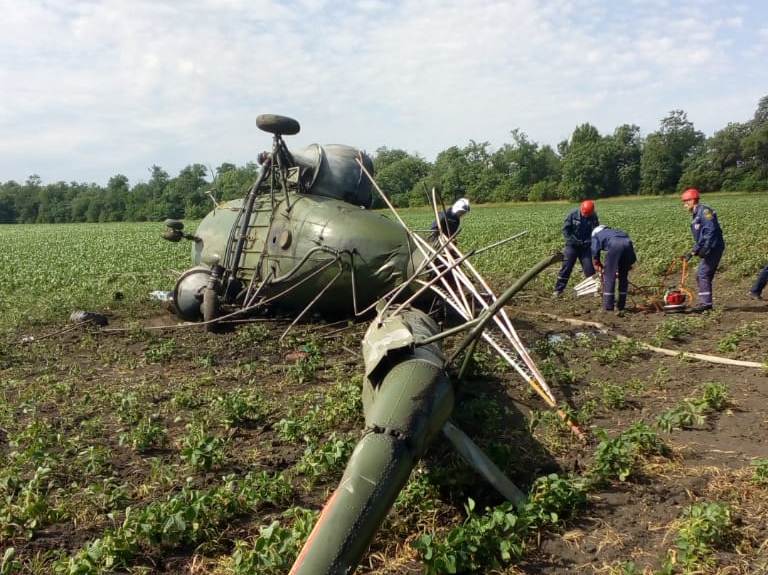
(659, 228)
(135, 450)
(51, 270)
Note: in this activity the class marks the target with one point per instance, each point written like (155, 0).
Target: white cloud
(92, 88)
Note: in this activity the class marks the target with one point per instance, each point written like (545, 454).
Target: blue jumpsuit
(709, 246)
(762, 280)
(449, 224)
(577, 230)
(619, 258)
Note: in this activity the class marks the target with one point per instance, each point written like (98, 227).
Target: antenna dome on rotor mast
(332, 170)
(275, 124)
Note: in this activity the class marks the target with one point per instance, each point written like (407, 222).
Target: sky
(93, 88)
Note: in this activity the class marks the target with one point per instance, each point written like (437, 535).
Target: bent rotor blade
(483, 297)
(506, 354)
(481, 463)
(454, 290)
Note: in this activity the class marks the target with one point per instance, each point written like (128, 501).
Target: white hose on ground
(687, 354)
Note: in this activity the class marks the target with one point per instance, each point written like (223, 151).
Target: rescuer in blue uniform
(619, 259)
(577, 231)
(709, 245)
(450, 219)
(762, 279)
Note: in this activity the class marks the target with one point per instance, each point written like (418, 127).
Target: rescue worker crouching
(449, 221)
(577, 231)
(619, 259)
(709, 245)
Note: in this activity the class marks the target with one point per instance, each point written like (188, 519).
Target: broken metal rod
(488, 313)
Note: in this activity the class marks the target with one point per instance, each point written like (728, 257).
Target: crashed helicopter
(303, 238)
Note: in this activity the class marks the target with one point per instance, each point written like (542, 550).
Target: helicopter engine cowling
(332, 171)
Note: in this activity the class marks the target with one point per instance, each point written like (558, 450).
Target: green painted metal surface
(291, 242)
(407, 399)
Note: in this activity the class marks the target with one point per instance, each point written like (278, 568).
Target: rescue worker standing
(577, 231)
(619, 259)
(709, 245)
(450, 220)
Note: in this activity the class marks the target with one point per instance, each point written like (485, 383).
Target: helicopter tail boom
(407, 398)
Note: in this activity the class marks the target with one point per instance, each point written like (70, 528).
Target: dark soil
(75, 378)
(635, 521)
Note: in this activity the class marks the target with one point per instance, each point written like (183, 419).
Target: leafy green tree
(225, 167)
(461, 172)
(520, 165)
(114, 203)
(138, 203)
(724, 148)
(718, 163)
(626, 146)
(27, 200)
(480, 179)
(8, 193)
(665, 152)
(755, 146)
(761, 113)
(79, 207)
(449, 176)
(232, 182)
(544, 190)
(588, 165)
(156, 207)
(397, 173)
(756, 150)
(52, 203)
(95, 208)
(193, 187)
(550, 164)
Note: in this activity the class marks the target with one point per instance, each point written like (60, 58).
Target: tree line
(586, 165)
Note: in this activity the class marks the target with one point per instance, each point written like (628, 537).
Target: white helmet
(460, 206)
(597, 230)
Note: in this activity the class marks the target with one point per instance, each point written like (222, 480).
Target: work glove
(598, 265)
(687, 256)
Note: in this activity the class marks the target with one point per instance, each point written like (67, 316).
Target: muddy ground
(711, 462)
(77, 382)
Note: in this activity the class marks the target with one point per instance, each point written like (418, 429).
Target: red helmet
(587, 208)
(690, 194)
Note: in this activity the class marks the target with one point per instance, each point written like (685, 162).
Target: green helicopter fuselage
(299, 244)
